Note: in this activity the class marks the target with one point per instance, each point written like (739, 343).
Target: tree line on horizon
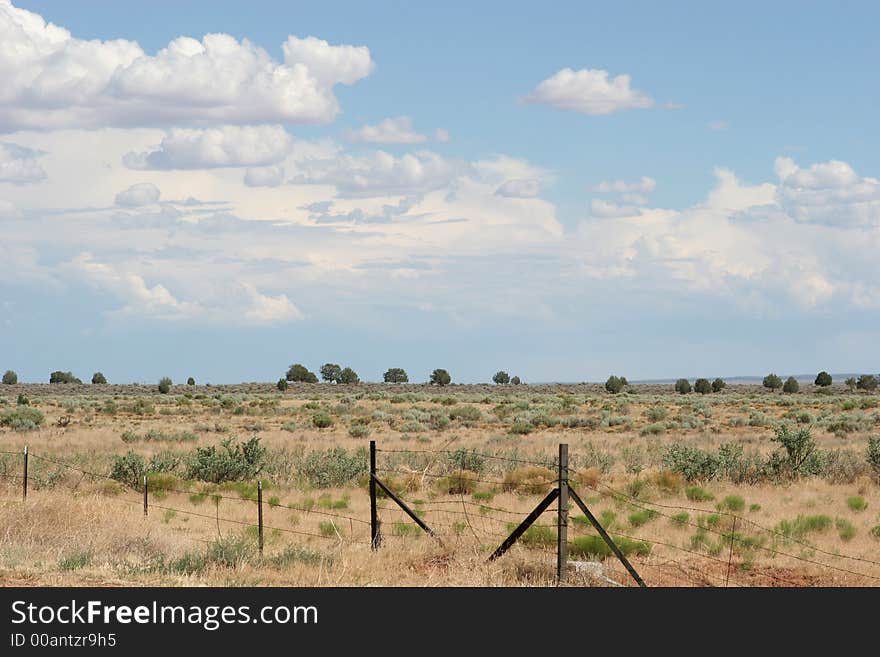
(336, 374)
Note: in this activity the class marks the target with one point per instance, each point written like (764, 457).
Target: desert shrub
(440, 377)
(530, 480)
(10, 378)
(875, 532)
(845, 529)
(823, 379)
(282, 384)
(464, 459)
(520, 428)
(164, 462)
(867, 382)
(333, 467)
(358, 431)
(718, 385)
(791, 385)
(515, 381)
(799, 448)
(22, 400)
(697, 494)
(75, 560)
(129, 469)
(301, 374)
(732, 503)
(593, 547)
(642, 517)
(873, 454)
(155, 436)
(587, 478)
(232, 461)
(614, 384)
(680, 519)
(322, 420)
(668, 481)
(654, 429)
(691, 462)
(22, 418)
(535, 536)
(842, 466)
(772, 382)
(803, 525)
(462, 482)
(702, 386)
(682, 386)
(190, 381)
(98, 378)
(856, 503)
(466, 413)
(164, 385)
(656, 413)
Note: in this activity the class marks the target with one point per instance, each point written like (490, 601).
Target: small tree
(799, 446)
(300, 373)
(682, 386)
(867, 382)
(702, 386)
(791, 385)
(330, 372)
(772, 382)
(190, 381)
(164, 385)
(823, 379)
(395, 375)
(718, 385)
(851, 383)
(440, 377)
(515, 381)
(98, 378)
(10, 378)
(614, 384)
(282, 384)
(63, 377)
(348, 375)
(501, 377)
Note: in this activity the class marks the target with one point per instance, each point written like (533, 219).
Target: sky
(220, 189)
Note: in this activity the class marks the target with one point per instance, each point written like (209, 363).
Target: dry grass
(85, 531)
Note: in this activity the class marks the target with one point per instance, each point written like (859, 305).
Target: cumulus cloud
(589, 91)
(8, 210)
(600, 208)
(19, 165)
(643, 185)
(520, 188)
(52, 79)
(397, 130)
(830, 193)
(227, 146)
(138, 195)
(264, 177)
(380, 173)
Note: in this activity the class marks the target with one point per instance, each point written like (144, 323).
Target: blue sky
(659, 191)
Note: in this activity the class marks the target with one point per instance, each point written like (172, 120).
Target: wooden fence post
(562, 516)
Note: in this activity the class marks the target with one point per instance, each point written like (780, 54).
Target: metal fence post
(145, 496)
(260, 514)
(562, 516)
(24, 477)
(375, 538)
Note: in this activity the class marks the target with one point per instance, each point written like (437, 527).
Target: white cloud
(605, 209)
(227, 146)
(829, 193)
(138, 195)
(264, 177)
(397, 130)
(19, 165)
(380, 173)
(643, 185)
(262, 309)
(441, 135)
(53, 80)
(520, 188)
(589, 91)
(8, 210)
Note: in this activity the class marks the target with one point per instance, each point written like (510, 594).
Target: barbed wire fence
(468, 513)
